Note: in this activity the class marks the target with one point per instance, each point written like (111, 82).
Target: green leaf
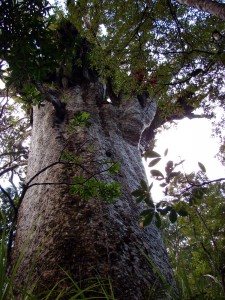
(151, 154)
(148, 200)
(192, 201)
(199, 192)
(159, 204)
(114, 169)
(148, 218)
(182, 212)
(174, 174)
(202, 167)
(173, 216)
(146, 212)
(144, 185)
(150, 187)
(78, 180)
(166, 152)
(137, 193)
(140, 198)
(158, 221)
(154, 162)
(156, 173)
(164, 211)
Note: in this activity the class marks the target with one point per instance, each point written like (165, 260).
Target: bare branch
(13, 167)
(202, 183)
(10, 199)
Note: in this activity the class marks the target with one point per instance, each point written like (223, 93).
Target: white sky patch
(192, 141)
(103, 29)
(2, 85)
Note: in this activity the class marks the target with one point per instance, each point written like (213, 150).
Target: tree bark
(88, 238)
(212, 7)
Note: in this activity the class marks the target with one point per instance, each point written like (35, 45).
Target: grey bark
(212, 7)
(88, 238)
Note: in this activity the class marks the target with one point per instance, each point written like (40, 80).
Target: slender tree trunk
(88, 238)
(212, 7)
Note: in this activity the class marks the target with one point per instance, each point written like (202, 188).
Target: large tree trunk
(87, 238)
(212, 7)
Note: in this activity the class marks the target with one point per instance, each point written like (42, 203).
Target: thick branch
(29, 185)
(212, 7)
(59, 106)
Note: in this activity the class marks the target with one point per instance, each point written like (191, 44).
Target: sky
(192, 141)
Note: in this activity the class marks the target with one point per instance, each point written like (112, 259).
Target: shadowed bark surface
(88, 238)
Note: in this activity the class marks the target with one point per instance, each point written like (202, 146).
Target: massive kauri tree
(97, 78)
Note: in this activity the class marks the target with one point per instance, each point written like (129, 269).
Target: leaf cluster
(80, 119)
(14, 132)
(196, 244)
(169, 45)
(27, 47)
(181, 190)
(195, 241)
(154, 211)
(93, 188)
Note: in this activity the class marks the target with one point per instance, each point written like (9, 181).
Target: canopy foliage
(161, 46)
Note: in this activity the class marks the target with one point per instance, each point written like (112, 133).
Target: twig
(10, 199)
(202, 183)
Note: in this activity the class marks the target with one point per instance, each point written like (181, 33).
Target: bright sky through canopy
(192, 141)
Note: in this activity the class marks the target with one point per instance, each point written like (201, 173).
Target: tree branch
(58, 105)
(212, 7)
(13, 167)
(202, 183)
(10, 199)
